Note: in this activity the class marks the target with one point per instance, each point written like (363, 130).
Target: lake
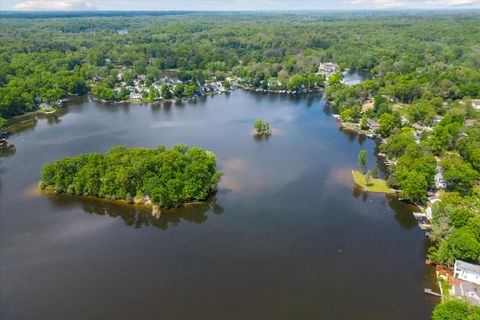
(287, 236)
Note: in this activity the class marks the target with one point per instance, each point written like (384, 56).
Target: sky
(219, 5)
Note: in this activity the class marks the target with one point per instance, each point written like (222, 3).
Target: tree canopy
(168, 177)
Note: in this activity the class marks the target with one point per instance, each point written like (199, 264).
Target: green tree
(165, 92)
(388, 123)
(459, 175)
(362, 160)
(451, 310)
(461, 244)
(262, 127)
(413, 186)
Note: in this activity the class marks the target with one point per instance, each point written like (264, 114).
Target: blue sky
(71, 5)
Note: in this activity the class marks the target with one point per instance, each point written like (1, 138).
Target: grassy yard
(354, 127)
(376, 185)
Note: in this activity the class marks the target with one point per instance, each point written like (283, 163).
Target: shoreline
(184, 99)
(156, 210)
(376, 186)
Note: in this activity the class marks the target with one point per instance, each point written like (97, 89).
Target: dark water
(286, 237)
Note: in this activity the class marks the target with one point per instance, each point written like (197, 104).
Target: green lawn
(376, 185)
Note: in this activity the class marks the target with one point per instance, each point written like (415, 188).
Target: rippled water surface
(286, 237)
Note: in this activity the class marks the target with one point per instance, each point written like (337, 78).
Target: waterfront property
(467, 271)
(466, 281)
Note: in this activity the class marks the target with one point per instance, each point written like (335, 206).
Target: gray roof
(474, 268)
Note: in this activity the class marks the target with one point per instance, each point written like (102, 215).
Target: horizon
(234, 5)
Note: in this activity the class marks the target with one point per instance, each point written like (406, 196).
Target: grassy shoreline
(376, 185)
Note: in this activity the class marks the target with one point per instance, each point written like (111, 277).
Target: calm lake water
(286, 237)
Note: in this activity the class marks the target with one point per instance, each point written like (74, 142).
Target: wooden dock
(429, 291)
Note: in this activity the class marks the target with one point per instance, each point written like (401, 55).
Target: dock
(419, 215)
(429, 291)
(425, 226)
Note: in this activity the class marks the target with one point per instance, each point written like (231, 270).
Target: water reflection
(7, 150)
(29, 121)
(261, 137)
(403, 212)
(140, 216)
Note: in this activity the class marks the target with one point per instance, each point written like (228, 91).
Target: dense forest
(166, 178)
(411, 55)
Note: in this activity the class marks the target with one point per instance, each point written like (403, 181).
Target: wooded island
(167, 178)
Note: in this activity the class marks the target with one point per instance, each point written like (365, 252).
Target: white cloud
(54, 5)
(378, 3)
(457, 3)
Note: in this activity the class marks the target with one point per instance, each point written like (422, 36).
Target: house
(470, 122)
(466, 281)
(467, 271)
(327, 69)
(417, 126)
(394, 99)
(439, 183)
(432, 197)
(135, 96)
(429, 213)
(140, 79)
(44, 106)
(391, 98)
(476, 104)
(374, 125)
(437, 119)
(368, 105)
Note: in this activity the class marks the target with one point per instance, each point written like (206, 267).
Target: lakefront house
(467, 271)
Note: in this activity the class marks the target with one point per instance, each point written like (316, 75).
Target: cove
(287, 236)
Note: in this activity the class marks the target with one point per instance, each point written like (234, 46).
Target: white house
(476, 104)
(135, 96)
(467, 271)
(429, 213)
(439, 182)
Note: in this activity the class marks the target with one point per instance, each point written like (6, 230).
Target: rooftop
(474, 268)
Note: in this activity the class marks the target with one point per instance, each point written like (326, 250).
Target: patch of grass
(354, 127)
(403, 110)
(376, 185)
(48, 110)
(445, 287)
(476, 189)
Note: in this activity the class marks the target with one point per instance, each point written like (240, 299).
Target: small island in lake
(262, 128)
(161, 177)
